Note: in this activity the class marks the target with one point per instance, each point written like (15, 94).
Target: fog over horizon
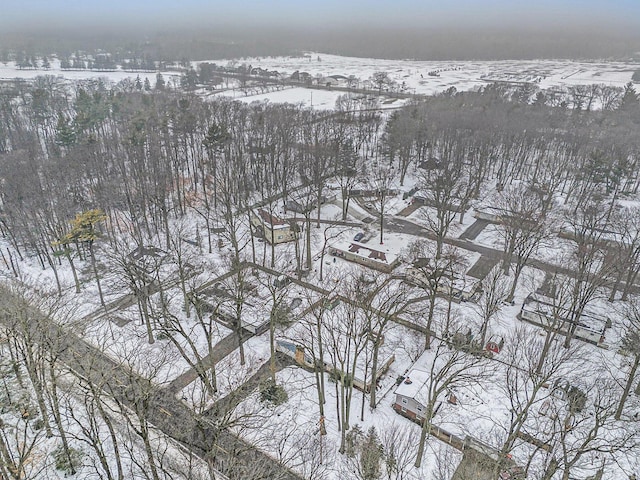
(424, 30)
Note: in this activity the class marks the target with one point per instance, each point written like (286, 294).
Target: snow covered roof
(550, 307)
(271, 221)
(385, 254)
(413, 384)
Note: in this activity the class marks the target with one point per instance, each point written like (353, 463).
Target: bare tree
(379, 181)
(448, 367)
(436, 275)
(525, 226)
(591, 270)
(446, 188)
(631, 347)
(398, 443)
(494, 294)
(526, 384)
(625, 249)
(581, 435)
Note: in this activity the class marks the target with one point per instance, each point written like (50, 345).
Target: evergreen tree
(206, 72)
(629, 102)
(160, 84)
(371, 455)
(45, 63)
(365, 452)
(147, 85)
(138, 83)
(65, 133)
(24, 62)
(353, 441)
(189, 81)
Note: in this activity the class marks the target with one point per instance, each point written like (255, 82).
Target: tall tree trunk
(426, 431)
(95, 273)
(627, 388)
(73, 270)
(272, 347)
(374, 370)
(144, 433)
(55, 404)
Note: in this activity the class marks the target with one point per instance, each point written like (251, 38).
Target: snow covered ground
(295, 423)
(9, 71)
(410, 75)
(466, 75)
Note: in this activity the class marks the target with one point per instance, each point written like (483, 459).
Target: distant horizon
(423, 30)
(434, 44)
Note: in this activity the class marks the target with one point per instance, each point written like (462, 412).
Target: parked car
(359, 236)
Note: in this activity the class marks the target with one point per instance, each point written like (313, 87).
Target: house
(592, 234)
(461, 287)
(549, 314)
(501, 215)
(453, 204)
(432, 163)
(273, 229)
(339, 79)
(411, 398)
(147, 259)
(384, 261)
(303, 77)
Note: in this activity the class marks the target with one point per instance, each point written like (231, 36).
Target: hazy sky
(22, 13)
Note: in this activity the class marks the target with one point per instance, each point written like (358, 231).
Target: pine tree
(160, 84)
(352, 441)
(371, 455)
(629, 102)
(65, 133)
(189, 81)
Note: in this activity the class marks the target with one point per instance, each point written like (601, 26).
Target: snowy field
(466, 75)
(416, 77)
(317, 99)
(9, 71)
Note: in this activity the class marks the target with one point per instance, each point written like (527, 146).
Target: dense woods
(146, 157)
(93, 171)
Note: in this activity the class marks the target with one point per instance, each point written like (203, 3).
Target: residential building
(411, 398)
(273, 229)
(459, 286)
(384, 261)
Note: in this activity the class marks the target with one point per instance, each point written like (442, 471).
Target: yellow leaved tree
(83, 231)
